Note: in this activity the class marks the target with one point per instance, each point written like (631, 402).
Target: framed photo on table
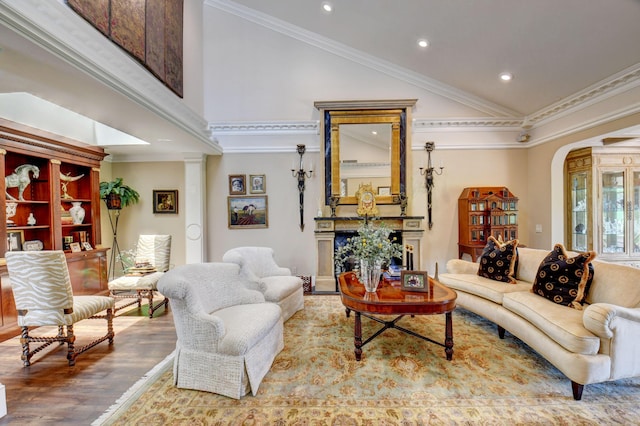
(15, 240)
(414, 281)
(165, 201)
(75, 247)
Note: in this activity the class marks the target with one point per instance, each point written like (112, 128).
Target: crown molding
(618, 83)
(53, 26)
(423, 125)
(262, 128)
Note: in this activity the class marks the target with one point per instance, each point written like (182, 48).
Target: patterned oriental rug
(401, 380)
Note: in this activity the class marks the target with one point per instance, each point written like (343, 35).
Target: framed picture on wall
(237, 185)
(258, 184)
(248, 212)
(165, 201)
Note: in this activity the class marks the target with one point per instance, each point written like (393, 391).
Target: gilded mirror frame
(393, 112)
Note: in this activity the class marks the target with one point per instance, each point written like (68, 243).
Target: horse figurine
(20, 179)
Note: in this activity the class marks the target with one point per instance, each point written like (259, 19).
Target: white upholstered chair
(228, 336)
(277, 284)
(44, 297)
(156, 250)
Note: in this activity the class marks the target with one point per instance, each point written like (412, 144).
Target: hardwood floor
(51, 392)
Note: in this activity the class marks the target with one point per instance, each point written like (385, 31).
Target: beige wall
(139, 218)
(296, 249)
(293, 248)
(533, 174)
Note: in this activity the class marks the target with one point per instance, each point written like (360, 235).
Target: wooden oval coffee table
(390, 299)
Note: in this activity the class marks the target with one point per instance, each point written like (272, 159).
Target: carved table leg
(357, 340)
(448, 337)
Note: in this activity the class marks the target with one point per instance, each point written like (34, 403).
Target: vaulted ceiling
(557, 51)
(553, 49)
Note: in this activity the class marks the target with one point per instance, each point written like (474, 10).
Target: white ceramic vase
(77, 212)
(370, 272)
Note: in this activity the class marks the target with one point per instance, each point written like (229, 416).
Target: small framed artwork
(248, 212)
(258, 184)
(15, 240)
(165, 201)
(414, 281)
(384, 190)
(75, 247)
(237, 185)
(86, 246)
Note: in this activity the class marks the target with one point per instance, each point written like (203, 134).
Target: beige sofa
(596, 344)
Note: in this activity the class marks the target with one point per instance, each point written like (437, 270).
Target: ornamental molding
(614, 85)
(265, 128)
(425, 125)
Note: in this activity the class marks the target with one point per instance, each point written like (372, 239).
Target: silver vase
(370, 272)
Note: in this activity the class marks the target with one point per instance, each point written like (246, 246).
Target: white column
(195, 175)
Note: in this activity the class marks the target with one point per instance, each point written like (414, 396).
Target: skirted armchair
(228, 336)
(276, 283)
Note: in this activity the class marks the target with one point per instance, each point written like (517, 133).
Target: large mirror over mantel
(365, 143)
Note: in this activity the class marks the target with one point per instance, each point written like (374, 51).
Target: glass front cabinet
(603, 203)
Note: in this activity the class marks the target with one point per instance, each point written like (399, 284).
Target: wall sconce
(301, 174)
(428, 177)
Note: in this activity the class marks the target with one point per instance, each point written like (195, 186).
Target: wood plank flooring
(51, 392)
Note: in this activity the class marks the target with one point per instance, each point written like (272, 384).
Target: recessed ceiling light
(506, 76)
(327, 7)
(373, 132)
(423, 42)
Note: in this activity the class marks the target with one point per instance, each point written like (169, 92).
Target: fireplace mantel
(410, 227)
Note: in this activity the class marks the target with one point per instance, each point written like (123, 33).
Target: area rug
(401, 380)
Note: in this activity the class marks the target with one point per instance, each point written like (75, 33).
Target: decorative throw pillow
(499, 261)
(565, 280)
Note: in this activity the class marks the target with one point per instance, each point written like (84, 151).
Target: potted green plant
(118, 195)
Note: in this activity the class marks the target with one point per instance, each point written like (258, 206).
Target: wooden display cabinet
(602, 196)
(578, 190)
(484, 212)
(67, 172)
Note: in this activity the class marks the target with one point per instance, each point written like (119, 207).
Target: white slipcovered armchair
(276, 283)
(154, 250)
(228, 336)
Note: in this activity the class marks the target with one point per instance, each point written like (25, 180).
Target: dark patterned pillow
(565, 280)
(499, 261)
